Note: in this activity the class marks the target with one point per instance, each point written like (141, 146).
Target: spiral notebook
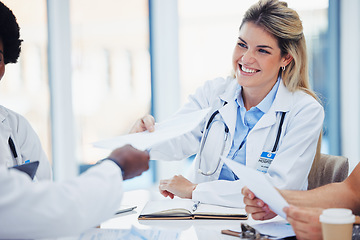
(187, 209)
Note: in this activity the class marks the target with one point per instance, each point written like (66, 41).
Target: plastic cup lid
(337, 216)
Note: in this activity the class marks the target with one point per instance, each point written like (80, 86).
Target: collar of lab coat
(5, 130)
(282, 103)
(229, 111)
(3, 114)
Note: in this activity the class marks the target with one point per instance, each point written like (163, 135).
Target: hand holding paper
(255, 206)
(166, 130)
(259, 185)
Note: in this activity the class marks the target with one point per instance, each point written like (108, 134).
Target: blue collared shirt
(245, 122)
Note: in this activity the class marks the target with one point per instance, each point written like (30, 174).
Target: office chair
(328, 169)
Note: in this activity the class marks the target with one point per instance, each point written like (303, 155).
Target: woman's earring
(283, 68)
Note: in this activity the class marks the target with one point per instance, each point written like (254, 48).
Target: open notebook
(186, 209)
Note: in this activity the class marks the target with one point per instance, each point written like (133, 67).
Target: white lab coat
(45, 209)
(27, 143)
(296, 150)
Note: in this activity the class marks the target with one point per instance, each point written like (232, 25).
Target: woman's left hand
(176, 186)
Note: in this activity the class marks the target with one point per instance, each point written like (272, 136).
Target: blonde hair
(285, 25)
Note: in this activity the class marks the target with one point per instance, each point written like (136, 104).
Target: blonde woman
(265, 116)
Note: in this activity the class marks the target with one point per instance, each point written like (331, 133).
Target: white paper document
(130, 234)
(170, 128)
(278, 229)
(259, 185)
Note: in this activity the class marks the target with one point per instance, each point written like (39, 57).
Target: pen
(12, 147)
(195, 206)
(125, 210)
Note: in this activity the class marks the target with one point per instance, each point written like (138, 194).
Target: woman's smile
(247, 71)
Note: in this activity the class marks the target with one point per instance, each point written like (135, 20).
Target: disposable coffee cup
(337, 223)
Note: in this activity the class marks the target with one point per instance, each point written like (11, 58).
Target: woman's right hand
(177, 186)
(145, 123)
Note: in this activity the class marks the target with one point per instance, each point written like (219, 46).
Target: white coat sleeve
(188, 144)
(47, 209)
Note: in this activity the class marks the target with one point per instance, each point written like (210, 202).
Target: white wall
(350, 80)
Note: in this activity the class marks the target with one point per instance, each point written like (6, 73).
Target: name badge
(264, 162)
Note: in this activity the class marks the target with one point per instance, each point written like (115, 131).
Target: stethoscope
(206, 132)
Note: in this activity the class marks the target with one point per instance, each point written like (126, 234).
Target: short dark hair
(9, 35)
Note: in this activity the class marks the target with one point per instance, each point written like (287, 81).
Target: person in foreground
(265, 109)
(41, 208)
(44, 209)
(306, 206)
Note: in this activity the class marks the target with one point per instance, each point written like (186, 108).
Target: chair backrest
(328, 169)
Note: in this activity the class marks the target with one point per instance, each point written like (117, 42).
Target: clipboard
(247, 232)
(28, 168)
